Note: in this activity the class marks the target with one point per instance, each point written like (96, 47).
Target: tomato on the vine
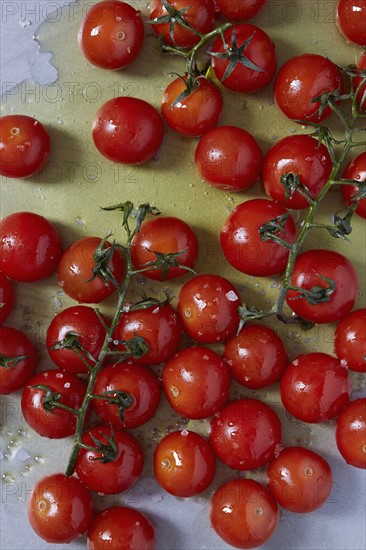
(351, 433)
(6, 297)
(350, 340)
(351, 16)
(240, 9)
(356, 170)
(18, 360)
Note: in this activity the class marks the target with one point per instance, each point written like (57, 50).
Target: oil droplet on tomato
(42, 506)
(259, 511)
(308, 471)
(166, 464)
(174, 391)
(15, 131)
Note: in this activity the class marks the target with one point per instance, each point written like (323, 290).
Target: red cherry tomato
(6, 297)
(315, 387)
(358, 80)
(351, 433)
(300, 480)
(60, 508)
(300, 80)
(167, 235)
(136, 381)
(184, 463)
(350, 340)
(128, 130)
(256, 356)
(240, 9)
(241, 240)
(196, 113)
(38, 404)
(301, 156)
(116, 470)
(24, 146)
(30, 247)
(229, 158)
(82, 324)
(311, 271)
(257, 63)
(356, 170)
(196, 382)
(208, 308)
(76, 275)
(18, 360)
(351, 16)
(111, 34)
(244, 514)
(123, 528)
(246, 434)
(199, 14)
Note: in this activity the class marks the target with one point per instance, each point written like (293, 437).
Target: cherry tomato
(114, 470)
(76, 270)
(357, 81)
(184, 463)
(82, 326)
(315, 387)
(240, 9)
(351, 433)
(246, 434)
(243, 513)
(257, 63)
(18, 360)
(165, 235)
(38, 404)
(123, 528)
(158, 325)
(60, 508)
(300, 480)
(300, 80)
(199, 14)
(138, 382)
(229, 158)
(351, 16)
(6, 297)
(207, 307)
(196, 382)
(196, 113)
(30, 247)
(350, 340)
(300, 156)
(356, 170)
(128, 130)
(316, 269)
(241, 240)
(256, 356)
(111, 34)
(24, 146)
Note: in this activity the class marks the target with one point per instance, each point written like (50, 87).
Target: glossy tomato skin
(315, 387)
(350, 340)
(241, 242)
(356, 170)
(75, 271)
(196, 114)
(184, 463)
(300, 155)
(196, 382)
(160, 328)
(310, 268)
(111, 34)
(30, 247)
(243, 513)
(83, 322)
(351, 16)
(200, 15)
(128, 130)
(229, 158)
(123, 528)
(14, 343)
(208, 308)
(116, 475)
(300, 480)
(301, 79)
(56, 423)
(168, 235)
(240, 10)
(246, 434)
(351, 433)
(260, 51)
(24, 146)
(256, 356)
(139, 383)
(6, 297)
(361, 95)
(60, 508)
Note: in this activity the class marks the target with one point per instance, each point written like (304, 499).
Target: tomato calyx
(108, 451)
(51, 400)
(122, 399)
(102, 261)
(269, 231)
(148, 301)
(174, 17)
(7, 362)
(317, 294)
(128, 210)
(292, 183)
(165, 262)
(135, 347)
(71, 342)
